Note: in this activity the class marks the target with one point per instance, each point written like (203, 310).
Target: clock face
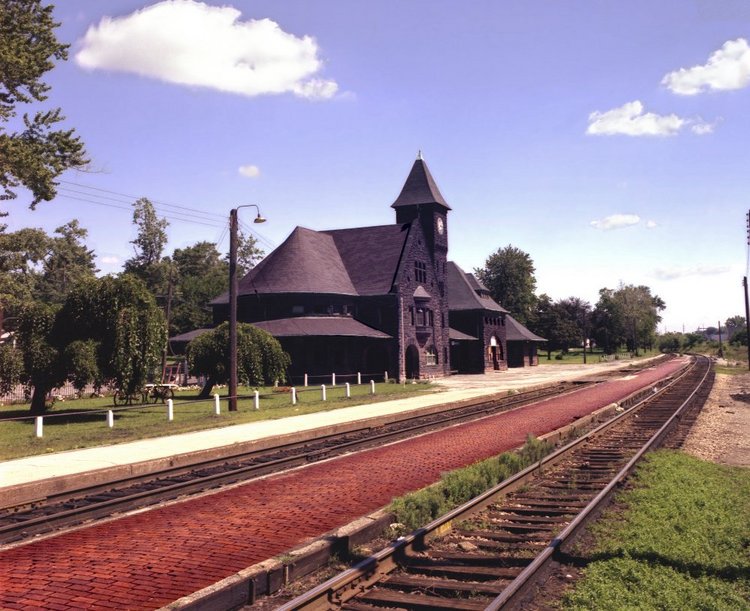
(440, 226)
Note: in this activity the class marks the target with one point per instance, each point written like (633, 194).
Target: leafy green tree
(107, 330)
(628, 315)
(248, 253)
(260, 358)
(68, 263)
(577, 313)
(147, 263)
(201, 275)
(33, 153)
(509, 276)
(671, 342)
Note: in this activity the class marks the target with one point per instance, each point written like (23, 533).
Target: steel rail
(519, 585)
(351, 582)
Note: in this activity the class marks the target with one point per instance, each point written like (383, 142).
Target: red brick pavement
(149, 559)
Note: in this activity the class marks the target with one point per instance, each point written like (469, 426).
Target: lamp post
(233, 301)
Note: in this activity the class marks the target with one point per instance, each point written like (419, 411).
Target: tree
(509, 276)
(556, 324)
(107, 330)
(69, 262)
(201, 275)
(147, 264)
(577, 313)
(37, 154)
(35, 266)
(260, 358)
(670, 342)
(248, 253)
(628, 315)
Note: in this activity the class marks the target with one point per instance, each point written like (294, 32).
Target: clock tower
(421, 199)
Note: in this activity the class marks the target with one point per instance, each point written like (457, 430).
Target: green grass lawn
(575, 356)
(82, 423)
(682, 541)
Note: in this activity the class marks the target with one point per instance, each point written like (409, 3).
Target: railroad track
(95, 502)
(489, 553)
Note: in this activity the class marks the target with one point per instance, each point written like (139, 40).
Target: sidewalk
(456, 388)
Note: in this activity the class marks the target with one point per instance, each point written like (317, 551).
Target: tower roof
(420, 188)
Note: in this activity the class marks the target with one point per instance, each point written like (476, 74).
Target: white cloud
(191, 43)
(672, 273)
(249, 171)
(651, 224)
(726, 69)
(630, 120)
(616, 221)
(109, 259)
(701, 127)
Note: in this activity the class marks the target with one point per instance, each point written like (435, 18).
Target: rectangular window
(431, 356)
(420, 271)
(420, 317)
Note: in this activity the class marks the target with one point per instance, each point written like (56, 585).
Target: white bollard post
(323, 392)
(305, 380)
(39, 426)
(217, 405)
(110, 418)
(348, 391)
(333, 379)
(294, 396)
(256, 400)
(359, 378)
(170, 410)
(372, 387)
(385, 377)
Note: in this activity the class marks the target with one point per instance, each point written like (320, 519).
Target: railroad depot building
(381, 299)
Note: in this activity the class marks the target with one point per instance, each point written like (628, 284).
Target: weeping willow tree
(108, 330)
(260, 358)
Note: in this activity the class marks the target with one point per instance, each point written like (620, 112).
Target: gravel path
(722, 432)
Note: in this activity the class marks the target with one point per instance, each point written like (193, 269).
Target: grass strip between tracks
(416, 509)
(679, 539)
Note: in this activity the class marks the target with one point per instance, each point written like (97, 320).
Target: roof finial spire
(419, 155)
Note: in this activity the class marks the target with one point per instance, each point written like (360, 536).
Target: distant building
(380, 299)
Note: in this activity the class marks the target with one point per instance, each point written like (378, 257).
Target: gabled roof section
(463, 296)
(371, 255)
(306, 262)
(420, 188)
(477, 284)
(516, 332)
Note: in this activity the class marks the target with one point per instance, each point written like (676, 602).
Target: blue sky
(606, 139)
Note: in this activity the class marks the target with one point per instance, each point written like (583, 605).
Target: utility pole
(721, 350)
(233, 287)
(747, 304)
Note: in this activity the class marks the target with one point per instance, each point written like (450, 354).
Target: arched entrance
(412, 362)
(496, 352)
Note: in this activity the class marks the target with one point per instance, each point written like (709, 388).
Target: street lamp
(233, 300)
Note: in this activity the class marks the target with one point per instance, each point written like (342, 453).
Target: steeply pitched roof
(460, 336)
(339, 326)
(463, 296)
(420, 188)
(306, 262)
(515, 332)
(371, 255)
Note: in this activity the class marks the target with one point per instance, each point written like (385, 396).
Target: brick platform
(151, 558)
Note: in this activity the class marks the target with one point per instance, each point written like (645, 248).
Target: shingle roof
(515, 332)
(420, 188)
(462, 295)
(460, 336)
(371, 255)
(306, 262)
(341, 326)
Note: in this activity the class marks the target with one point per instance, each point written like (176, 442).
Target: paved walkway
(454, 388)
